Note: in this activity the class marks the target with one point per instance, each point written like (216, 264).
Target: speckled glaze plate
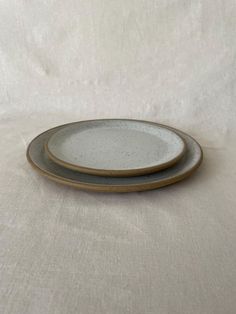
(182, 169)
(116, 147)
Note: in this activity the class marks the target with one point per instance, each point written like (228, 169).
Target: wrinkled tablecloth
(167, 251)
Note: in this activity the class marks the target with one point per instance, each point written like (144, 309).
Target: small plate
(115, 147)
(185, 167)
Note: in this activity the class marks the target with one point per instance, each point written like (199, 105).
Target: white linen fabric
(171, 250)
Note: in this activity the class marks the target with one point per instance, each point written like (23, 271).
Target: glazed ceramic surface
(115, 147)
(39, 160)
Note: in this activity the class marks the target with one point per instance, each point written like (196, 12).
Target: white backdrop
(171, 250)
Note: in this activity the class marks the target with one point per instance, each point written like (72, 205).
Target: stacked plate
(115, 155)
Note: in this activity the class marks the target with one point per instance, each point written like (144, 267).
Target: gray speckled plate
(185, 167)
(115, 147)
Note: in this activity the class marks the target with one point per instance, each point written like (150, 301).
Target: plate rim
(119, 188)
(115, 172)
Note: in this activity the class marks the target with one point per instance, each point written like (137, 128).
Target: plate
(185, 167)
(115, 147)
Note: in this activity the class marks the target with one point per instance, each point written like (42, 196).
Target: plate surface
(185, 167)
(115, 147)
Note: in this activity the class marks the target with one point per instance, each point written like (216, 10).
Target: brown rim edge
(113, 188)
(116, 173)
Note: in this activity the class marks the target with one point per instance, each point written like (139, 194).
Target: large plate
(185, 167)
(116, 147)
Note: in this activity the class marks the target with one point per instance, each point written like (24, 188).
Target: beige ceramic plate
(115, 147)
(185, 167)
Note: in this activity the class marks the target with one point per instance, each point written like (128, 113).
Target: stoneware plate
(115, 147)
(185, 167)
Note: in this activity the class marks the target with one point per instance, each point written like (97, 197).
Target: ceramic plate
(115, 147)
(186, 166)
